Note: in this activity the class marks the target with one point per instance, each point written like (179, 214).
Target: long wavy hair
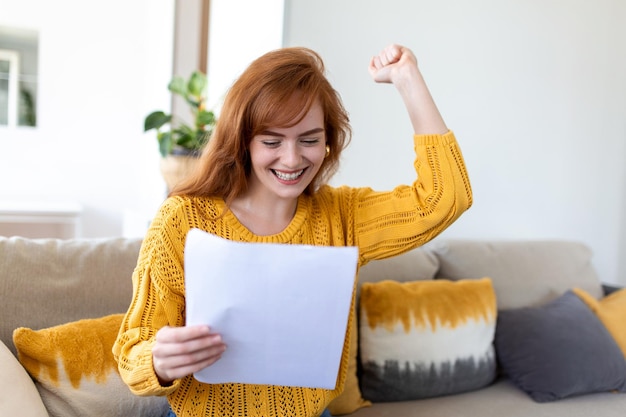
(276, 90)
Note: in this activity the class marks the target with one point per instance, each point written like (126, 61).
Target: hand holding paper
(282, 310)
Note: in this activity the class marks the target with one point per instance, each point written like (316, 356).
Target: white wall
(535, 91)
(103, 66)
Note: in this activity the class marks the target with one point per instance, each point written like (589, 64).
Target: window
(18, 77)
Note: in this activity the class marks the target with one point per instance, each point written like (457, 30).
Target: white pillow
(19, 395)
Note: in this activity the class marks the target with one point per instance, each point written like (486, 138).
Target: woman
(263, 179)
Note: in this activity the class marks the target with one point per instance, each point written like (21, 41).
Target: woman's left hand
(392, 63)
(397, 64)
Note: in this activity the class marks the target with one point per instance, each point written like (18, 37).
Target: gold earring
(327, 151)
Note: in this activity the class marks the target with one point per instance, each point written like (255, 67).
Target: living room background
(535, 92)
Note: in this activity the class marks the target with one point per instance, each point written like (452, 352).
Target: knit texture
(381, 224)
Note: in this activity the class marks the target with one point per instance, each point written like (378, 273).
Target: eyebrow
(307, 133)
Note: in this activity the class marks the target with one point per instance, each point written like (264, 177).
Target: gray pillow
(558, 350)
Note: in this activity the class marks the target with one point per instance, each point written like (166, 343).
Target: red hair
(276, 90)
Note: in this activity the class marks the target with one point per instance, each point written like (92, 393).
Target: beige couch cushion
(18, 397)
(501, 399)
(524, 273)
(418, 264)
(63, 280)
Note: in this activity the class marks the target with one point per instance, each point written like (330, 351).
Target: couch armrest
(610, 288)
(19, 393)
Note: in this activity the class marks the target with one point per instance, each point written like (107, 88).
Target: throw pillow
(19, 396)
(611, 310)
(426, 338)
(75, 371)
(558, 350)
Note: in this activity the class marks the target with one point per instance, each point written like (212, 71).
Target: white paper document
(281, 309)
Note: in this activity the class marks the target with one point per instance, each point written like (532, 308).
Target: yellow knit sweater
(381, 224)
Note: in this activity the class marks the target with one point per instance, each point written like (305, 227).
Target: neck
(263, 217)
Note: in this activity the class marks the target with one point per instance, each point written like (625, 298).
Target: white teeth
(288, 177)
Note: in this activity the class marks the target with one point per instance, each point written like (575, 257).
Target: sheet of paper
(282, 310)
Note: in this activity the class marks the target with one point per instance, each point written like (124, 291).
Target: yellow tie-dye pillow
(75, 372)
(425, 339)
(611, 310)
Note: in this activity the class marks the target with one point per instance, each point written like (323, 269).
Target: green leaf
(184, 129)
(165, 143)
(185, 137)
(156, 120)
(197, 84)
(193, 103)
(204, 118)
(178, 86)
(186, 141)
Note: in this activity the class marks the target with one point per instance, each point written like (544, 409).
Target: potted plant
(180, 144)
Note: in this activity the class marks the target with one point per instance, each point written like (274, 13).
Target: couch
(503, 328)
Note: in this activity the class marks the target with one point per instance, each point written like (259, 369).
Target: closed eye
(310, 141)
(271, 143)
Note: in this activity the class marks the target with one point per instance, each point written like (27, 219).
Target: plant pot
(175, 168)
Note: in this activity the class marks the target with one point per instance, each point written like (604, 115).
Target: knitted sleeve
(389, 223)
(158, 299)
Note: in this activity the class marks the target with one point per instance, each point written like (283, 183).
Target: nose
(291, 156)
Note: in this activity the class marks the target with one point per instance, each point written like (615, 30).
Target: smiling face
(286, 159)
